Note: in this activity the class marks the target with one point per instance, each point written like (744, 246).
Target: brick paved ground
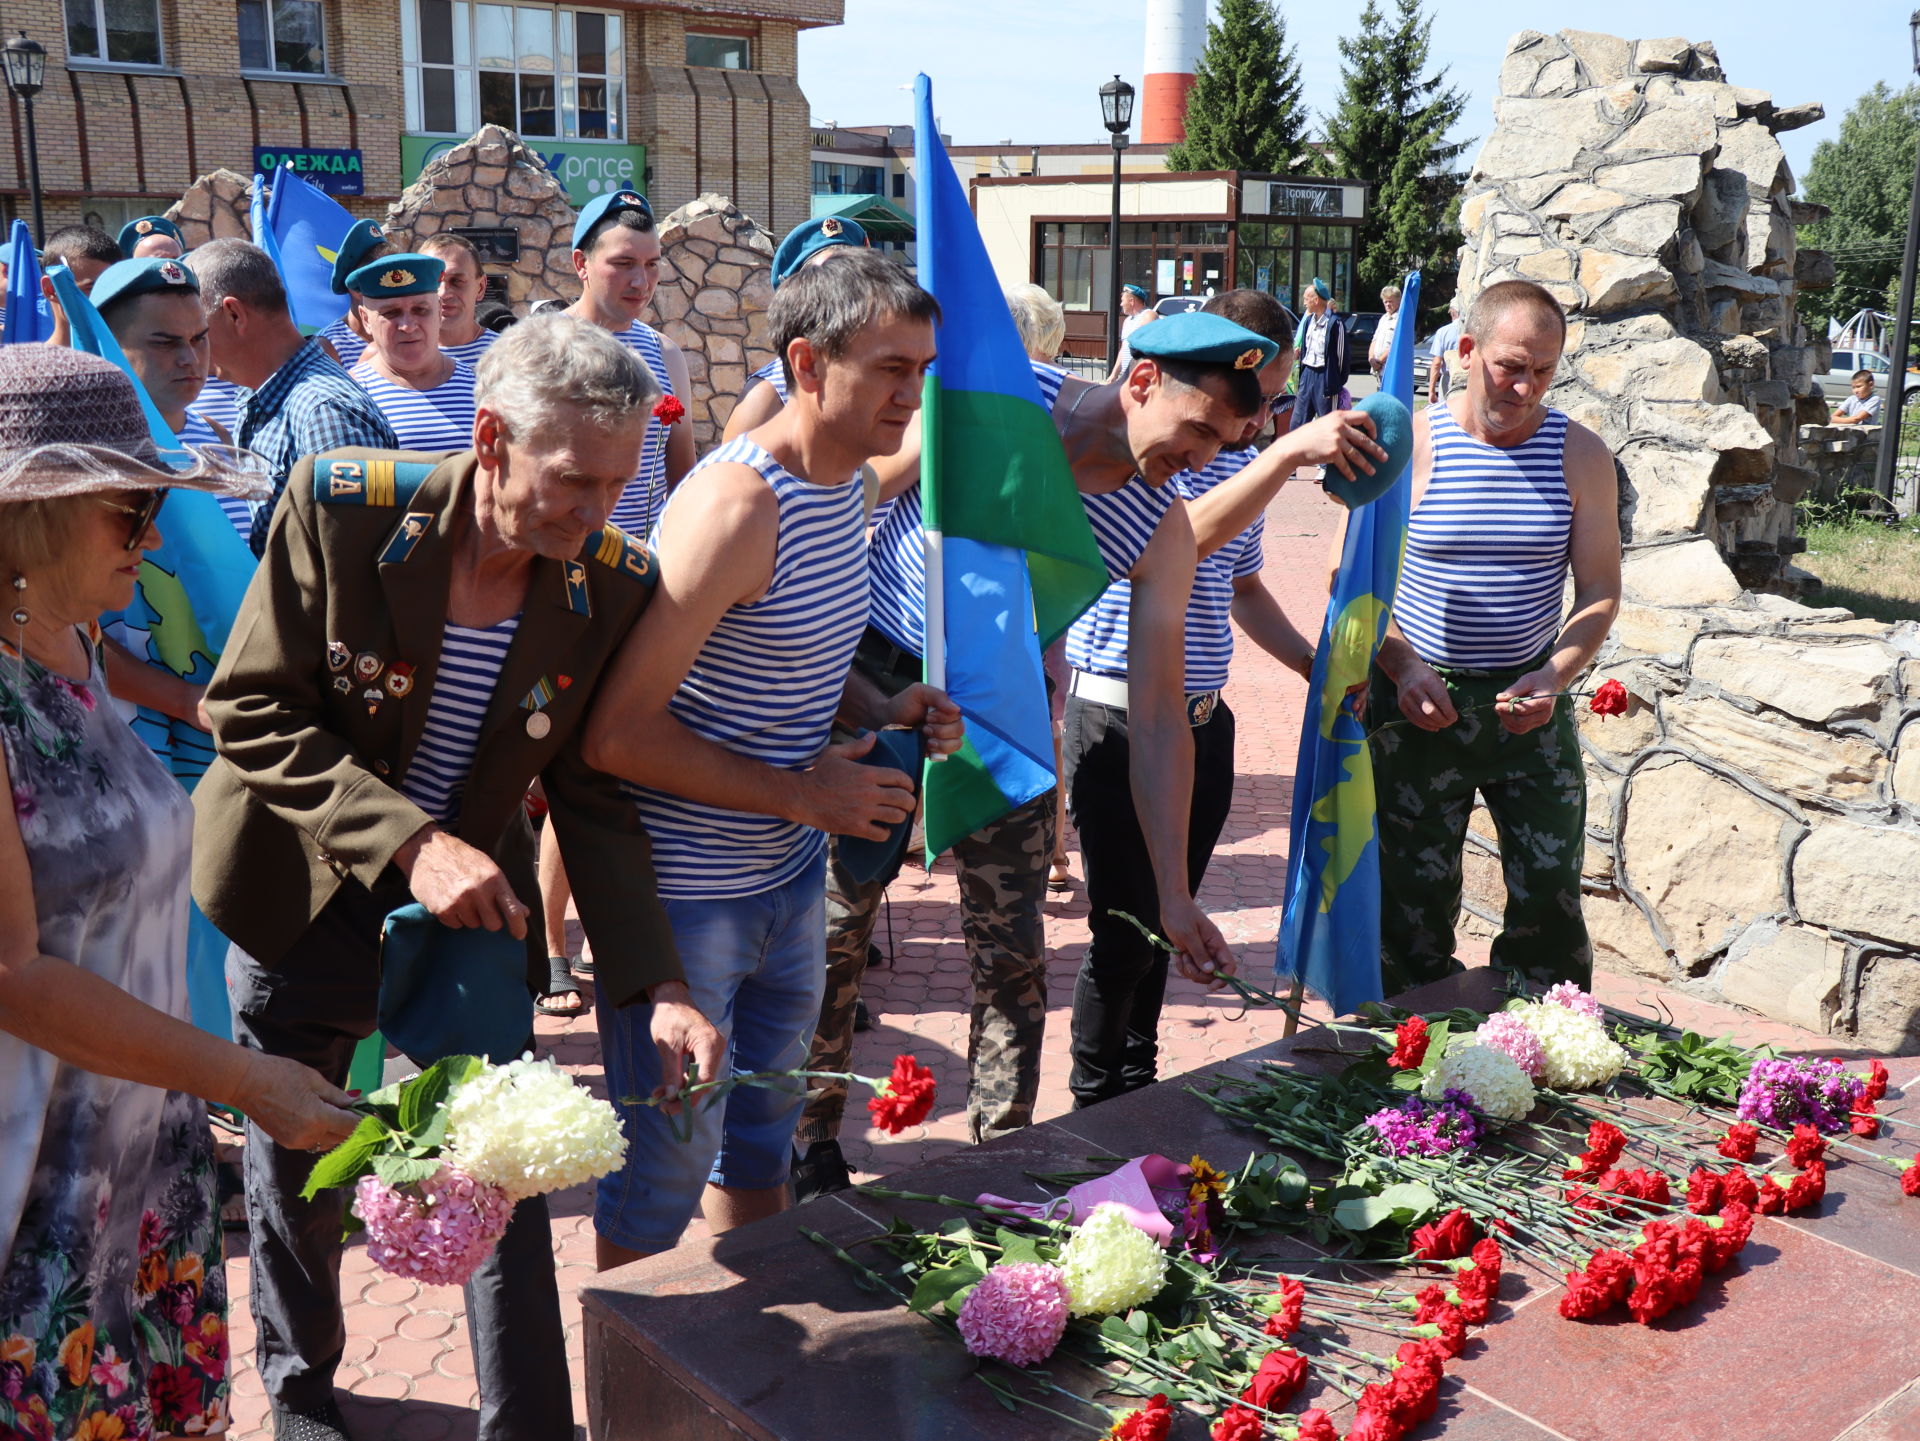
(408, 1370)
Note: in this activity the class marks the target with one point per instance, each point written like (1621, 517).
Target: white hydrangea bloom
(1498, 1086)
(1578, 1052)
(1110, 1264)
(528, 1129)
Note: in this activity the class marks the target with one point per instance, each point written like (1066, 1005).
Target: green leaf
(403, 1170)
(1139, 1322)
(348, 1161)
(1362, 1213)
(426, 1094)
(1412, 1199)
(939, 1286)
(1016, 1247)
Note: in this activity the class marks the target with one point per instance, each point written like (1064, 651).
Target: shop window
(120, 32)
(539, 71)
(718, 52)
(284, 36)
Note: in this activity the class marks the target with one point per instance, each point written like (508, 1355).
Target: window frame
(273, 70)
(563, 75)
(102, 61)
(745, 42)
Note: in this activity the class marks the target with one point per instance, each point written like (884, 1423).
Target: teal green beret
(354, 247)
(141, 277)
(392, 276)
(805, 241)
(601, 206)
(1194, 335)
(135, 231)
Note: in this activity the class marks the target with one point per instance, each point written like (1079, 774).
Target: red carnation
(1649, 1186)
(1876, 1081)
(1432, 1300)
(1151, 1422)
(1293, 1299)
(1611, 1269)
(1605, 1144)
(669, 410)
(1237, 1423)
(1740, 1142)
(1477, 1291)
(1281, 1373)
(1705, 1191)
(1864, 1123)
(1409, 1043)
(905, 1098)
(1316, 1425)
(1453, 1330)
(1379, 1424)
(1736, 1225)
(1610, 699)
(1654, 1294)
(1910, 1178)
(1773, 1200)
(1487, 1257)
(1738, 1188)
(1443, 1240)
(1415, 1393)
(1806, 1147)
(1584, 1298)
(1808, 1188)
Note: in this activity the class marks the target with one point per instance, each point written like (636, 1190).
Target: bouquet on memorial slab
(901, 1100)
(438, 1162)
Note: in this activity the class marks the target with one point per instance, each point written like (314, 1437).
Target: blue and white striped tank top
(470, 662)
(641, 502)
(473, 349)
(219, 400)
(1487, 548)
(437, 419)
(766, 684)
(346, 343)
(775, 374)
(1098, 640)
(1124, 520)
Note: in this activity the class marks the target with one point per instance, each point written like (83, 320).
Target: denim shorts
(756, 966)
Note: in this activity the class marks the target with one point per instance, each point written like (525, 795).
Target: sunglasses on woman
(143, 515)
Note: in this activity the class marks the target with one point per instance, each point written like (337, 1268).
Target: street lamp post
(26, 62)
(1116, 111)
(1897, 370)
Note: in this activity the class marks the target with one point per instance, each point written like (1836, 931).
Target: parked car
(1837, 383)
(1360, 328)
(1178, 304)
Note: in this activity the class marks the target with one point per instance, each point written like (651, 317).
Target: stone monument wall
(214, 207)
(1753, 828)
(716, 283)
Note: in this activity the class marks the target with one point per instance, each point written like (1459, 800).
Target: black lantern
(26, 62)
(1913, 29)
(1116, 113)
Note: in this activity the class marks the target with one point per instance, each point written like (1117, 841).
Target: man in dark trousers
(1324, 365)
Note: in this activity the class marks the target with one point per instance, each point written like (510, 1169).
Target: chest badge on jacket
(539, 723)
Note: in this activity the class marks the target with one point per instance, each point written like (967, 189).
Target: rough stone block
(1860, 879)
(1671, 488)
(1615, 282)
(1887, 1018)
(1906, 768)
(1820, 767)
(1676, 177)
(1749, 150)
(1817, 683)
(1690, 572)
(1706, 854)
(1659, 630)
(1679, 126)
(1791, 973)
(1537, 64)
(1605, 58)
(1671, 54)
(1623, 940)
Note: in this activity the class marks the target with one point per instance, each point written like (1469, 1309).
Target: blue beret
(1319, 287)
(141, 277)
(354, 246)
(601, 206)
(135, 231)
(805, 241)
(1393, 428)
(1135, 291)
(392, 276)
(1205, 339)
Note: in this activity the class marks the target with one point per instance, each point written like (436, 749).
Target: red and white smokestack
(1176, 35)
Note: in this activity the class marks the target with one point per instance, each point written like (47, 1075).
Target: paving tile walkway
(408, 1374)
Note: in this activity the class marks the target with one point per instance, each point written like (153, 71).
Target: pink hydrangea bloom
(439, 1234)
(1574, 999)
(1017, 1313)
(1505, 1032)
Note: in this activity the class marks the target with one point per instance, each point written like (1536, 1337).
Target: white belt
(1111, 691)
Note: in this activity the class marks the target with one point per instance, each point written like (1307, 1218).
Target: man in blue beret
(1324, 364)
(151, 237)
(364, 242)
(1136, 310)
(806, 244)
(425, 394)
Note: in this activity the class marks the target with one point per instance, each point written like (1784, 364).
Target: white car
(1837, 383)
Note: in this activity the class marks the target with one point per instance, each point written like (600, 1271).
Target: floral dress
(112, 1295)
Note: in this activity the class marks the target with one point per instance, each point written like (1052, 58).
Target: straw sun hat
(71, 424)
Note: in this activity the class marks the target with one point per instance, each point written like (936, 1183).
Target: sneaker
(323, 1424)
(821, 1172)
(862, 1017)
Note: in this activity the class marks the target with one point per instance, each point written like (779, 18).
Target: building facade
(675, 96)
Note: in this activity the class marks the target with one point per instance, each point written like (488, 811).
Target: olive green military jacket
(321, 695)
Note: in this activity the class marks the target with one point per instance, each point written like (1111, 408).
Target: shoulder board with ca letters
(617, 550)
(372, 480)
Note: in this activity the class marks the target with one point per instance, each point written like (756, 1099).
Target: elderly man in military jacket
(421, 642)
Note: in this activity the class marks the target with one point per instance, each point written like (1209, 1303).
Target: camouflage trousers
(1535, 789)
(1003, 885)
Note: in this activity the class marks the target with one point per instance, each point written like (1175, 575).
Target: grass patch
(1871, 568)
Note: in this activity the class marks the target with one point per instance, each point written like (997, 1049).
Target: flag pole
(936, 621)
(1293, 1008)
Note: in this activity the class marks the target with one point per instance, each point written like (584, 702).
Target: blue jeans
(756, 966)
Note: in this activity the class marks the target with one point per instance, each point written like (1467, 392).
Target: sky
(1030, 70)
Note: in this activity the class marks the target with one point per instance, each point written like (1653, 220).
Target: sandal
(584, 965)
(560, 983)
(1060, 878)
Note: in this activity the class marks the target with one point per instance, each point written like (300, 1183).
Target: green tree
(1865, 177)
(1390, 129)
(1244, 111)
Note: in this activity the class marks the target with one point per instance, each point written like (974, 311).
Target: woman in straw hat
(112, 1299)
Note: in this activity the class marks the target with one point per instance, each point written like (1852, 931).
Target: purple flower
(440, 1234)
(1419, 1127)
(1796, 1090)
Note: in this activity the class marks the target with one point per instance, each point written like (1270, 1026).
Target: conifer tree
(1244, 110)
(1390, 129)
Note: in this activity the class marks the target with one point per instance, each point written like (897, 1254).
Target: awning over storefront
(877, 215)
